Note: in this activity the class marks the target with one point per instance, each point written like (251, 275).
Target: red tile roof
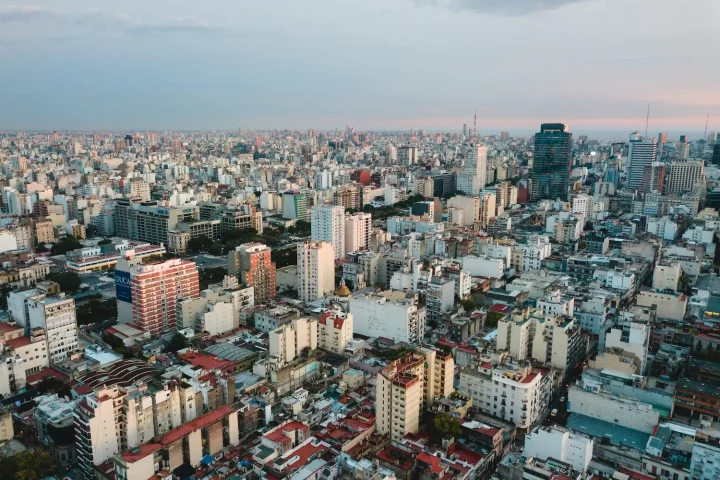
(45, 372)
(138, 453)
(18, 342)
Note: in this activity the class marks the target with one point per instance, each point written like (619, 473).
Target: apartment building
(150, 222)
(56, 316)
(513, 392)
(288, 341)
(358, 228)
(252, 262)
(335, 330)
(391, 314)
(328, 225)
(408, 385)
(316, 270)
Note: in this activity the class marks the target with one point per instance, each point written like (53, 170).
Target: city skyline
(408, 64)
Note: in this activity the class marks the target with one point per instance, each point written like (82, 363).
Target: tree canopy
(69, 282)
(28, 465)
(64, 245)
(445, 424)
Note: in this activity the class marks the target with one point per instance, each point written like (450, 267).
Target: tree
(69, 282)
(445, 424)
(28, 465)
(468, 304)
(105, 241)
(199, 244)
(177, 342)
(53, 385)
(64, 245)
(493, 318)
(208, 276)
(96, 311)
(113, 341)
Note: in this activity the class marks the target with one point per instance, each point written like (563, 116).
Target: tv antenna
(707, 119)
(475, 125)
(647, 120)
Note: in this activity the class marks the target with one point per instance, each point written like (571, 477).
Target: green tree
(96, 311)
(177, 342)
(493, 318)
(69, 282)
(53, 385)
(445, 424)
(199, 244)
(208, 276)
(64, 245)
(28, 465)
(468, 304)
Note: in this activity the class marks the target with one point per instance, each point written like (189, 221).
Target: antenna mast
(647, 120)
(475, 125)
(706, 125)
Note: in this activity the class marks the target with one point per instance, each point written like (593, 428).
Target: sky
(373, 64)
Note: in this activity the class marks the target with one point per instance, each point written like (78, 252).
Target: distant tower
(551, 162)
(641, 153)
(465, 129)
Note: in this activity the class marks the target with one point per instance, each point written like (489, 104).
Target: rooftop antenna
(475, 125)
(647, 120)
(707, 119)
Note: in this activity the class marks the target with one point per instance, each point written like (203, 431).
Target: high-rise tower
(641, 154)
(552, 162)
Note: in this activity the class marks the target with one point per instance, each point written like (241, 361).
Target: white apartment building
(473, 175)
(512, 392)
(328, 225)
(662, 227)
(97, 435)
(628, 335)
(561, 444)
(666, 276)
(584, 204)
(357, 232)
(534, 251)
(391, 314)
(483, 266)
(335, 330)
(315, 270)
(55, 315)
(470, 206)
(553, 303)
(288, 341)
(705, 462)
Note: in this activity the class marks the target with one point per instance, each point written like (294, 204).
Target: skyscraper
(716, 154)
(552, 162)
(472, 178)
(357, 232)
(661, 141)
(328, 225)
(641, 153)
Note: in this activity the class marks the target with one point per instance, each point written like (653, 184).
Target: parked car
(554, 412)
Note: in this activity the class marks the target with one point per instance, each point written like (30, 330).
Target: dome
(342, 291)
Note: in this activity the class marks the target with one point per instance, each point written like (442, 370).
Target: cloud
(26, 14)
(501, 7)
(178, 25)
(101, 19)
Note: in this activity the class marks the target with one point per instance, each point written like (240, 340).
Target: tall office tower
(716, 154)
(504, 136)
(294, 205)
(654, 178)
(641, 153)
(55, 315)
(472, 177)
(357, 232)
(407, 155)
(465, 129)
(315, 270)
(683, 149)
(252, 262)
(328, 225)
(154, 289)
(551, 162)
(684, 176)
(712, 138)
(661, 141)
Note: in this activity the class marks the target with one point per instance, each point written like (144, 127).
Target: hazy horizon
(376, 64)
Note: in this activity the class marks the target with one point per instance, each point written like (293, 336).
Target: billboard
(122, 286)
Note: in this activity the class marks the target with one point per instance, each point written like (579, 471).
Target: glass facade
(552, 162)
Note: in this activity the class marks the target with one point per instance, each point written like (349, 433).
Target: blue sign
(122, 287)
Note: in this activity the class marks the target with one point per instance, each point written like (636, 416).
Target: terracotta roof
(19, 342)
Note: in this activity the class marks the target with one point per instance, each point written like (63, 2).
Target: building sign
(122, 287)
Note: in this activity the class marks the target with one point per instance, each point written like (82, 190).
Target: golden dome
(342, 290)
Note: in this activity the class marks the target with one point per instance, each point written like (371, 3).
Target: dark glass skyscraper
(552, 162)
(716, 154)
